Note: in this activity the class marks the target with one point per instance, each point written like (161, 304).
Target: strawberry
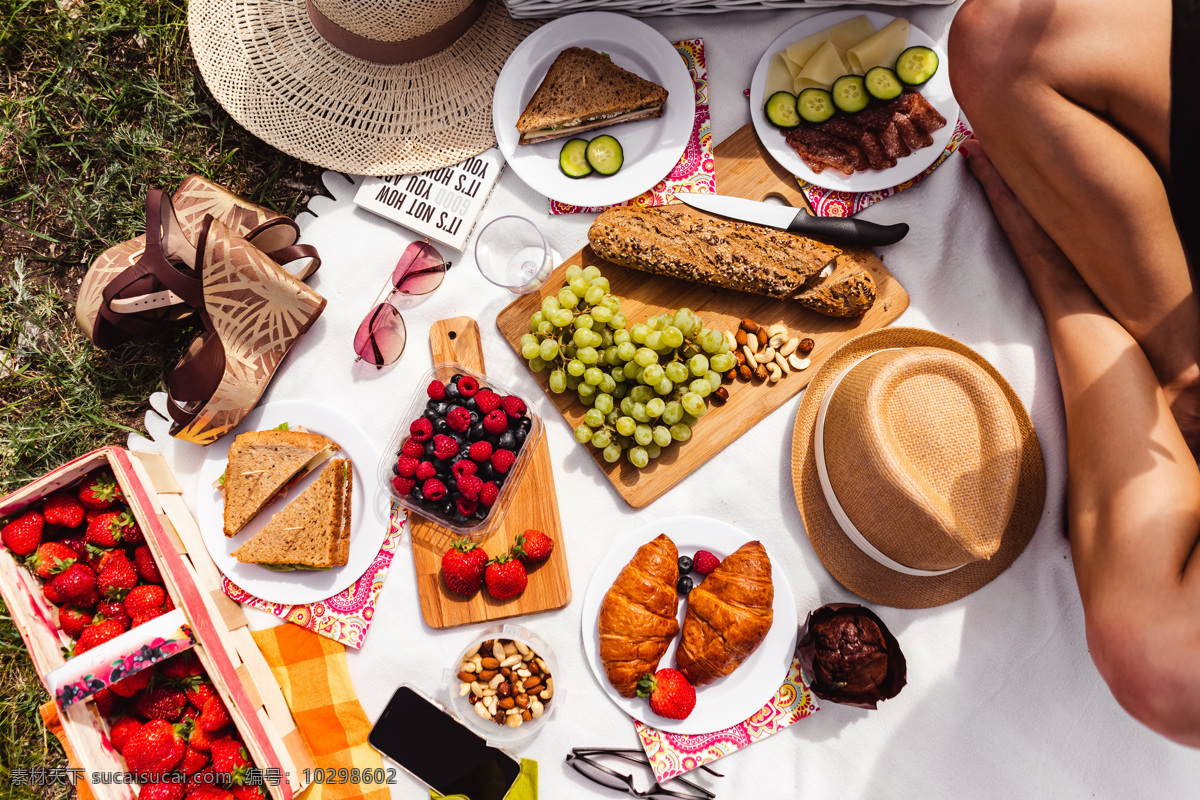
(108, 703)
(248, 792)
(121, 731)
(131, 532)
(142, 619)
(193, 761)
(143, 560)
(51, 594)
(88, 600)
(74, 582)
(505, 577)
(104, 530)
(182, 666)
(704, 562)
(101, 557)
(168, 604)
(128, 687)
(98, 492)
(229, 758)
(113, 609)
(76, 542)
(161, 790)
(63, 509)
(73, 621)
(161, 702)
(50, 559)
(201, 739)
(23, 534)
(533, 546)
(670, 694)
(116, 579)
(463, 566)
(213, 716)
(98, 633)
(199, 694)
(141, 600)
(206, 791)
(156, 747)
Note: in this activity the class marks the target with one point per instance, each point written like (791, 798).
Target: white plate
(732, 699)
(368, 509)
(652, 147)
(936, 91)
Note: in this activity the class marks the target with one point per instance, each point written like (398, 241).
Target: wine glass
(511, 252)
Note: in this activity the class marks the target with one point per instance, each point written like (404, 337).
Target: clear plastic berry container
(494, 732)
(413, 502)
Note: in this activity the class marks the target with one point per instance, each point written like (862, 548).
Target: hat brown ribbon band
(401, 52)
(843, 519)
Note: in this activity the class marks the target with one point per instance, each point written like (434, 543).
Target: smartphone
(438, 750)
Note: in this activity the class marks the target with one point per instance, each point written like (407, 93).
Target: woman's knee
(992, 43)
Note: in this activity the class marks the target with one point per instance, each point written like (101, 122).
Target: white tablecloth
(1002, 701)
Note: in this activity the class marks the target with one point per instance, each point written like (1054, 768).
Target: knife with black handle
(842, 230)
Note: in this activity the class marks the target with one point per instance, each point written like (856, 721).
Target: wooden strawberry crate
(225, 647)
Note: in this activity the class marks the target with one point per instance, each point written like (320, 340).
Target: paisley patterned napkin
(347, 615)
(673, 754)
(696, 169)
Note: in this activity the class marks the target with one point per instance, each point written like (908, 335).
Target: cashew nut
(799, 363)
(775, 372)
(790, 346)
(778, 329)
(752, 343)
(765, 356)
(783, 364)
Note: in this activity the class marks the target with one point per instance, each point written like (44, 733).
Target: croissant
(728, 616)
(639, 615)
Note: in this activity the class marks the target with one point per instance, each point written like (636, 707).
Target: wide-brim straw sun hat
(918, 474)
(374, 87)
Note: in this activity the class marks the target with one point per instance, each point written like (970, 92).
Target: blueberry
(432, 403)
(685, 564)
(526, 423)
(508, 440)
(464, 451)
(454, 380)
(685, 585)
(395, 469)
(481, 513)
(520, 434)
(431, 415)
(471, 404)
(449, 508)
(476, 432)
(493, 439)
(486, 472)
(475, 418)
(429, 449)
(459, 519)
(452, 392)
(440, 425)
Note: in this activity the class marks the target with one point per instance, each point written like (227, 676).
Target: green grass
(98, 101)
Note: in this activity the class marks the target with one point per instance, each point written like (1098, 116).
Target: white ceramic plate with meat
(729, 700)
(936, 91)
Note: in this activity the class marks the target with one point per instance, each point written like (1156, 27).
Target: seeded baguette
(730, 255)
(851, 296)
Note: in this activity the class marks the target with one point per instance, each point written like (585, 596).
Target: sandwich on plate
(582, 91)
(263, 464)
(312, 531)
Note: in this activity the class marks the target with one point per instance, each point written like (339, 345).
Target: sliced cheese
(779, 77)
(825, 67)
(845, 35)
(880, 49)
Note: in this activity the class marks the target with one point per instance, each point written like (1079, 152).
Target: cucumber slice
(850, 94)
(781, 110)
(605, 155)
(916, 65)
(882, 83)
(572, 159)
(815, 105)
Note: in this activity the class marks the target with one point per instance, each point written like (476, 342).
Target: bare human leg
(1133, 489)
(1072, 100)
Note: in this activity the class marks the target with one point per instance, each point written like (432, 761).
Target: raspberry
(489, 493)
(425, 471)
(412, 448)
(487, 400)
(466, 507)
(458, 419)
(463, 467)
(513, 406)
(406, 467)
(421, 429)
(433, 489)
(704, 562)
(436, 390)
(502, 461)
(467, 386)
(470, 485)
(444, 446)
(495, 422)
(481, 451)
(403, 485)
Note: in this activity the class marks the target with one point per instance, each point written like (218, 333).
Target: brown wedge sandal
(252, 312)
(128, 291)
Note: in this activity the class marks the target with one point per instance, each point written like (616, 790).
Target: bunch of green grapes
(660, 373)
(572, 331)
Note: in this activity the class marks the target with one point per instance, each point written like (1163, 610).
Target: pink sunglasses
(381, 337)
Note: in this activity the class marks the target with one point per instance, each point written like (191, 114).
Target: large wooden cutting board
(534, 505)
(744, 170)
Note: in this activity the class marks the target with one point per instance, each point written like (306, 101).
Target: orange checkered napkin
(311, 671)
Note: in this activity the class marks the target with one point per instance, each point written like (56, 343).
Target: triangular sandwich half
(582, 91)
(313, 531)
(261, 466)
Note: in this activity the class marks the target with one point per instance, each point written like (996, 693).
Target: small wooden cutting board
(534, 505)
(744, 169)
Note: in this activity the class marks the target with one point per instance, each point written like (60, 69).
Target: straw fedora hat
(374, 87)
(918, 474)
